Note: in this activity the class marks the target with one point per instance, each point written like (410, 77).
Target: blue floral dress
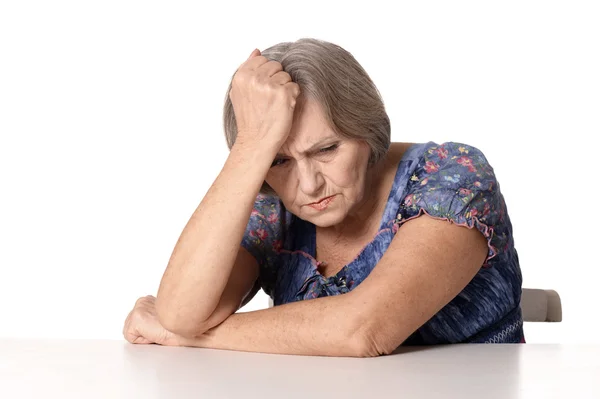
(449, 181)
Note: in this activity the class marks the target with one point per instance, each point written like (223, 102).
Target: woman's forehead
(309, 129)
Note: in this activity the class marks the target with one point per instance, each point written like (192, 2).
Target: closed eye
(282, 161)
(329, 149)
(278, 162)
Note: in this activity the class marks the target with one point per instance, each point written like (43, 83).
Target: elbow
(182, 326)
(362, 345)
(371, 339)
(185, 330)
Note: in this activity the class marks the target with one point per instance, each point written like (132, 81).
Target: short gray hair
(328, 74)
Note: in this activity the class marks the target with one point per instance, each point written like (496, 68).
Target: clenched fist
(142, 326)
(263, 97)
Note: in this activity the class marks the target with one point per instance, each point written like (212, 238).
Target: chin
(326, 219)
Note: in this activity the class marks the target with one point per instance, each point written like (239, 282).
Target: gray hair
(328, 74)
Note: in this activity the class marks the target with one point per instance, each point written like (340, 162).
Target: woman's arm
(427, 264)
(202, 261)
(316, 327)
(263, 98)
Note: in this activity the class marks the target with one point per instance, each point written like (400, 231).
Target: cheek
(279, 182)
(347, 173)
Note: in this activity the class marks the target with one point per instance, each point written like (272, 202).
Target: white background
(111, 133)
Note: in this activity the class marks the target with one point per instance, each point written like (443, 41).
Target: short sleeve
(263, 237)
(455, 182)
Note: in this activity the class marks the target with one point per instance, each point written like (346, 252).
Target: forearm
(203, 257)
(318, 327)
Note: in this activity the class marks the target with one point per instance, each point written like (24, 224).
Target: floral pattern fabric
(449, 181)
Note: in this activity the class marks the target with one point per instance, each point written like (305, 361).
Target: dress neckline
(311, 232)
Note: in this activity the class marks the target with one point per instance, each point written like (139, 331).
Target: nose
(310, 179)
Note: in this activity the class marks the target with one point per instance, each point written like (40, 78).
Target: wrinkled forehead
(309, 128)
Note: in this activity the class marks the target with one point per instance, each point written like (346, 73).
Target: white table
(117, 369)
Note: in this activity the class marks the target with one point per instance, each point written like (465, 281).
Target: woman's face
(319, 176)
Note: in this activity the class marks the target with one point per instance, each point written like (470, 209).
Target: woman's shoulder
(454, 181)
(451, 162)
(446, 153)
(449, 169)
(442, 153)
(420, 165)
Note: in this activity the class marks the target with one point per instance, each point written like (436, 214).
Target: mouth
(322, 203)
(321, 200)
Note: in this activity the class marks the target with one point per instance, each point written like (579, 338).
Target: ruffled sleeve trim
(487, 231)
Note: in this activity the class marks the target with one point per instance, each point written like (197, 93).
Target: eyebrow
(312, 147)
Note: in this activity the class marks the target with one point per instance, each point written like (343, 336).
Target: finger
(126, 324)
(269, 69)
(141, 340)
(294, 88)
(136, 339)
(254, 53)
(255, 62)
(130, 336)
(281, 77)
(128, 321)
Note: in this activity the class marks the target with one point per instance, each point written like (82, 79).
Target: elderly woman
(362, 244)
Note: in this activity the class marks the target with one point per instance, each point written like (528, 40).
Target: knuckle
(241, 75)
(281, 93)
(270, 88)
(293, 89)
(130, 337)
(251, 80)
(283, 77)
(136, 317)
(276, 64)
(237, 80)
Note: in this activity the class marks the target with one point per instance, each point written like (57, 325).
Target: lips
(321, 200)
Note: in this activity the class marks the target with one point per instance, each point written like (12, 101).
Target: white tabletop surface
(117, 369)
